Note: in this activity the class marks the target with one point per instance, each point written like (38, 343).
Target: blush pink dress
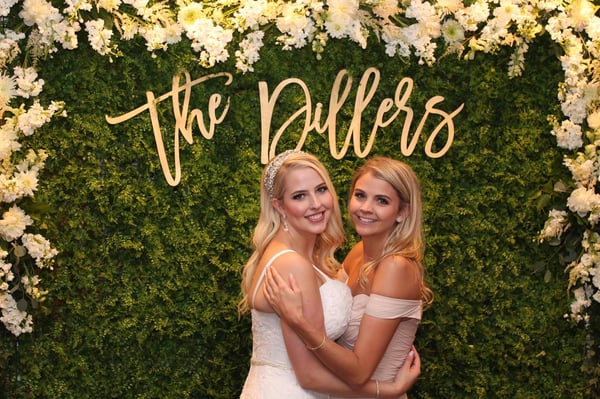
(385, 308)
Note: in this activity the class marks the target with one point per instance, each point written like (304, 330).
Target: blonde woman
(384, 272)
(298, 231)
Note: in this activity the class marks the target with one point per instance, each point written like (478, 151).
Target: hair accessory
(273, 168)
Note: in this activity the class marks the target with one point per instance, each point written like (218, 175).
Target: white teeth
(316, 217)
(366, 220)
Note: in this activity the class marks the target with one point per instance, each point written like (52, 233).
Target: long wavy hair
(269, 222)
(407, 238)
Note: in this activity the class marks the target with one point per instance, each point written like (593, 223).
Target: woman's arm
(395, 277)
(405, 378)
(310, 372)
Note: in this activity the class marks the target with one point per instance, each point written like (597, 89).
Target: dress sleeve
(384, 307)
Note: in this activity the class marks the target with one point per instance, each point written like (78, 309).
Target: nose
(366, 206)
(315, 201)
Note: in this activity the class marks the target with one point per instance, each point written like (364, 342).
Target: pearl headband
(273, 168)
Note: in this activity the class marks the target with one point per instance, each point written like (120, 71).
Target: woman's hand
(284, 297)
(409, 372)
(405, 378)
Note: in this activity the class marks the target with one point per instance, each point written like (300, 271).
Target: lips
(365, 220)
(317, 217)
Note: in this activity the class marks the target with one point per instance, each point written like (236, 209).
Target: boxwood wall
(142, 300)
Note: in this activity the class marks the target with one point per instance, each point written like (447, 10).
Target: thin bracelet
(318, 346)
(376, 389)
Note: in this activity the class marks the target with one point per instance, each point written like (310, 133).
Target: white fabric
(271, 375)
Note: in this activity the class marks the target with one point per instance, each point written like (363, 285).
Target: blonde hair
(269, 221)
(407, 238)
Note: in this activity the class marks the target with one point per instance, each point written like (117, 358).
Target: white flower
(341, 18)
(9, 46)
(581, 12)
(13, 223)
(27, 84)
(426, 15)
(75, 6)
(555, 225)
(582, 201)
(384, 9)
(66, 33)
(16, 321)
(158, 37)
(7, 89)
(5, 6)
(593, 120)
(294, 24)
(26, 182)
(189, 14)
(108, 5)
(448, 6)
(210, 41)
(34, 118)
(98, 36)
(39, 248)
(568, 135)
(252, 14)
(582, 169)
(470, 17)
(249, 51)
(452, 31)
(39, 12)
(581, 301)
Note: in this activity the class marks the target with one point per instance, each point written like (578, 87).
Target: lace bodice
(271, 375)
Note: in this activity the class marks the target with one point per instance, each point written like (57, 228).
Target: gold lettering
(447, 121)
(184, 119)
(266, 115)
(335, 105)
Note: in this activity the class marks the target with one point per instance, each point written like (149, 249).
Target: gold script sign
(387, 111)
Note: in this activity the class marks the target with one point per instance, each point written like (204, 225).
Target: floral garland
(411, 28)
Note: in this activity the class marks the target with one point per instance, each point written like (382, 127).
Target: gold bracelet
(376, 389)
(318, 346)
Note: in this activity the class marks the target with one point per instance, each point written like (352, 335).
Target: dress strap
(264, 271)
(325, 276)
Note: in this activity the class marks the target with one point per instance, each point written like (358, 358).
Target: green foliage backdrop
(142, 301)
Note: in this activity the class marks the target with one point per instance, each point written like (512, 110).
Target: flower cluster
(415, 27)
(577, 30)
(21, 253)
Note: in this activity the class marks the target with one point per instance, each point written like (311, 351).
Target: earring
(284, 221)
(398, 219)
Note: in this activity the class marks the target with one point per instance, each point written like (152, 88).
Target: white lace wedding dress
(271, 375)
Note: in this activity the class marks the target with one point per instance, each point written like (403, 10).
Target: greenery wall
(142, 298)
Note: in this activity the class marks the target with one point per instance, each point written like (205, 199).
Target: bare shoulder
(398, 277)
(293, 263)
(354, 257)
